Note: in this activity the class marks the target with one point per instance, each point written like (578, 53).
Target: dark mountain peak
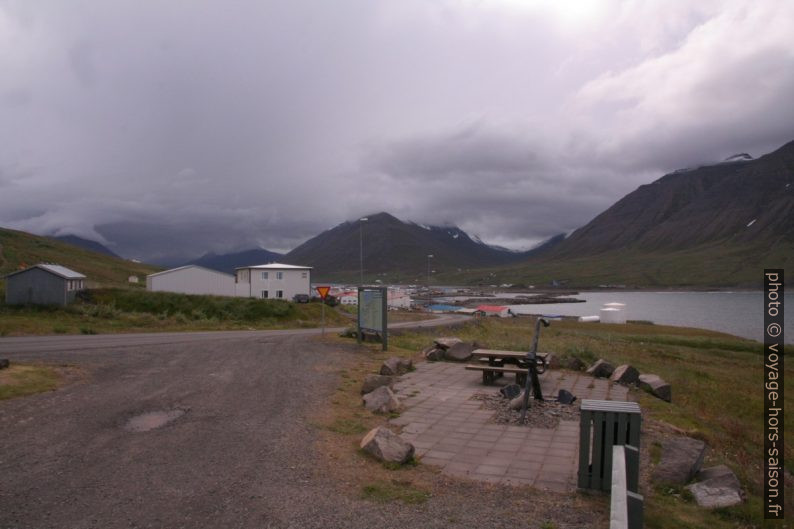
(394, 246)
(85, 244)
(726, 203)
(228, 262)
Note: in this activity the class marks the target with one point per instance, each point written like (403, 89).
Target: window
(264, 294)
(279, 275)
(264, 275)
(304, 275)
(279, 294)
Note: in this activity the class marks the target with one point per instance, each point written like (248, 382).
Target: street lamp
(361, 222)
(429, 292)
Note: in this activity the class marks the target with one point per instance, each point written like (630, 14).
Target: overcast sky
(180, 127)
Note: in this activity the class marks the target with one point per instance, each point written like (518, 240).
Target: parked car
(301, 298)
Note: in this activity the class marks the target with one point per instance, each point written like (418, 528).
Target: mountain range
(716, 225)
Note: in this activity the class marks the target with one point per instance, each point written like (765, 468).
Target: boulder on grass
(396, 366)
(350, 332)
(574, 364)
(385, 445)
(601, 369)
(446, 343)
(433, 353)
(625, 374)
(657, 387)
(681, 460)
(459, 352)
(381, 400)
(373, 382)
(717, 487)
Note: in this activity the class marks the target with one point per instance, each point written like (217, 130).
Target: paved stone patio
(452, 431)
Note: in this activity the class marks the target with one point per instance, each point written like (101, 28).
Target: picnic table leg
(521, 379)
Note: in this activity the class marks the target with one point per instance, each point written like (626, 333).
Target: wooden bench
(490, 373)
(496, 359)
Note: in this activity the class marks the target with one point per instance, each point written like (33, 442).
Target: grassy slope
(717, 396)
(712, 265)
(124, 310)
(18, 248)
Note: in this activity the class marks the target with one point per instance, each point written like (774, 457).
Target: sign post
(323, 291)
(372, 312)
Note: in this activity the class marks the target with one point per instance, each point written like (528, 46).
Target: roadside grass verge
(717, 396)
(394, 490)
(20, 380)
(119, 310)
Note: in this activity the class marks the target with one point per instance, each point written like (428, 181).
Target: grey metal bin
(604, 424)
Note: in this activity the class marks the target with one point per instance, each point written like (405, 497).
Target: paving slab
(450, 430)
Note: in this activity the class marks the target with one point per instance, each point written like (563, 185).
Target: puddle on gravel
(153, 419)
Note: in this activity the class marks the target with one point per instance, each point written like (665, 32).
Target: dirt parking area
(218, 434)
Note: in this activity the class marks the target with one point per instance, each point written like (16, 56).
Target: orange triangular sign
(323, 291)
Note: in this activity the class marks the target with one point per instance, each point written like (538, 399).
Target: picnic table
(495, 363)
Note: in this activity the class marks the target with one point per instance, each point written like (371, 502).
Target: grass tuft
(387, 492)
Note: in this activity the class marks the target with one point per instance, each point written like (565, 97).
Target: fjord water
(737, 313)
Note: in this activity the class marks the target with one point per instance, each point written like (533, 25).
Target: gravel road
(243, 454)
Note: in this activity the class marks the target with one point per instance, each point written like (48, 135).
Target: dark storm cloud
(173, 129)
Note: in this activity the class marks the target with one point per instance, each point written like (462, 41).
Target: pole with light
(361, 222)
(429, 292)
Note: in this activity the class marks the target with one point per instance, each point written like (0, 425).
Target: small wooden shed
(43, 284)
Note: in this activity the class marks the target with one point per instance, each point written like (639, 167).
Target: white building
(348, 298)
(272, 281)
(399, 299)
(191, 279)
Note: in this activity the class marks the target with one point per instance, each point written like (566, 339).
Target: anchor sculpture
(532, 366)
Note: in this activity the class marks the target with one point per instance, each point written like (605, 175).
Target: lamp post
(429, 292)
(361, 222)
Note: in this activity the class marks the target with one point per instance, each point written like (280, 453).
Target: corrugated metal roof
(275, 266)
(189, 266)
(491, 308)
(58, 270)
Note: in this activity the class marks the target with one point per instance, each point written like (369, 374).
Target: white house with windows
(272, 281)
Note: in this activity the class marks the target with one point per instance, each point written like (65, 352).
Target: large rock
(625, 374)
(459, 352)
(373, 382)
(386, 445)
(574, 364)
(681, 460)
(657, 387)
(510, 391)
(565, 397)
(396, 366)
(601, 369)
(446, 343)
(518, 402)
(717, 487)
(434, 354)
(381, 400)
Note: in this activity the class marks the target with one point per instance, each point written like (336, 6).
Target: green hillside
(713, 265)
(19, 249)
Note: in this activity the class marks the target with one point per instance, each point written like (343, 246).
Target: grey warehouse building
(43, 284)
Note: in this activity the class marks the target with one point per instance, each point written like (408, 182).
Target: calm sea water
(737, 313)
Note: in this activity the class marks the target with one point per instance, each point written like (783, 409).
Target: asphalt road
(100, 341)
